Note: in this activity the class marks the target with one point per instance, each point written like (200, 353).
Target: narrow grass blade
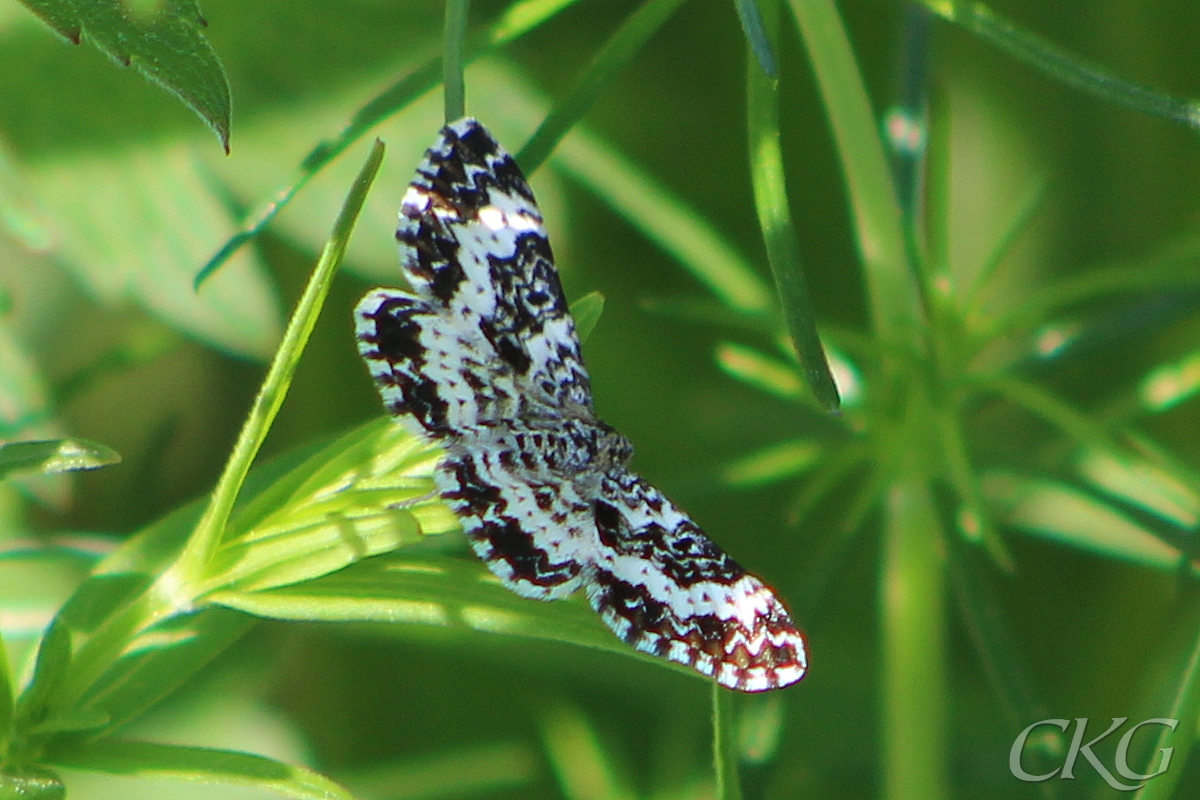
(1065, 67)
(57, 455)
(895, 302)
(211, 528)
(453, 85)
(666, 220)
(519, 19)
(725, 749)
(617, 52)
(779, 235)
(207, 765)
(915, 672)
(756, 36)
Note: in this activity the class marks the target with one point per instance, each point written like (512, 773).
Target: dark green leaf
(161, 39)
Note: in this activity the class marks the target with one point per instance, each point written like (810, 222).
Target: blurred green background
(114, 195)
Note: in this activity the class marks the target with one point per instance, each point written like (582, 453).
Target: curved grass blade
(617, 52)
(779, 235)
(162, 41)
(208, 765)
(518, 20)
(1065, 67)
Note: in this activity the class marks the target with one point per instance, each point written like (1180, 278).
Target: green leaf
(1068, 68)
(760, 371)
(876, 214)
(725, 750)
(666, 219)
(161, 39)
(150, 760)
(432, 590)
(159, 661)
(773, 463)
(53, 659)
(583, 769)
(454, 31)
(57, 455)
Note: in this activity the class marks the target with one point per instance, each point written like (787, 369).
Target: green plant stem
(453, 84)
(725, 751)
(914, 648)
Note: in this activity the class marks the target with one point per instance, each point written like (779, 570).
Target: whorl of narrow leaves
(162, 39)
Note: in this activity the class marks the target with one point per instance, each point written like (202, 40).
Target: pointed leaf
(162, 39)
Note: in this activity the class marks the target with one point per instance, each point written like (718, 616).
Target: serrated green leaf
(56, 455)
(208, 765)
(161, 39)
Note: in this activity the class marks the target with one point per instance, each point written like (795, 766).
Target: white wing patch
(483, 357)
